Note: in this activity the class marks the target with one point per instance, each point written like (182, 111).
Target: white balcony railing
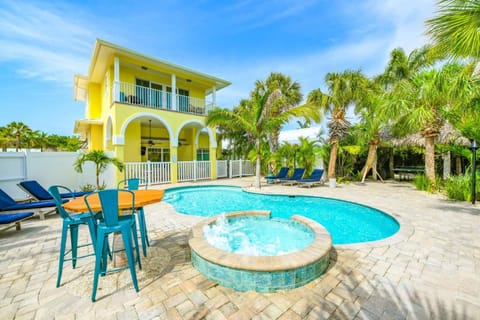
(130, 93)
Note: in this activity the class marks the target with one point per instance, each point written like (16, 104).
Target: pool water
(258, 235)
(347, 222)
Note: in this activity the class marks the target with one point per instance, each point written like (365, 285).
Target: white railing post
(174, 92)
(194, 170)
(149, 172)
(230, 172)
(240, 171)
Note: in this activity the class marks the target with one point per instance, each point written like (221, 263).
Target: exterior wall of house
(120, 128)
(94, 94)
(132, 143)
(96, 136)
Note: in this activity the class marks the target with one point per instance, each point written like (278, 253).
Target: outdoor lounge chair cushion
(40, 193)
(7, 203)
(14, 217)
(314, 177)
(281, 174)
(297, 175)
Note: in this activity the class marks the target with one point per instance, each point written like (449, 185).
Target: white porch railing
(193, 170)
(160, 172)
(222, 168)
(151, 172)
(241, 168)
(130, 93)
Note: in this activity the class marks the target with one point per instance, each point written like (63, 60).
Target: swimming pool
(347, 222)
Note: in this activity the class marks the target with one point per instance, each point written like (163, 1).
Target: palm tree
(291, 96)
(425, 99)
(402, 66)
(456, 28)
(375, 116)
(5, 138)
(256, 118)
(101, 161)
(463, 112)
(343, 90)
(18, 130)
(306, 154)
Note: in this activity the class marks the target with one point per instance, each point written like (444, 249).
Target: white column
(116, 78)
(174, 92)
(164, 97)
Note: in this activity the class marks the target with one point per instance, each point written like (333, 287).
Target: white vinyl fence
(48, 168)
(151, 172)
(222, 169)
(240, 168)
(193, 170)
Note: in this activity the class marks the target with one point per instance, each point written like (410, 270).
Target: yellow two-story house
(150, 113)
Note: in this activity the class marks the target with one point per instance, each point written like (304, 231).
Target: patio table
(142, 198)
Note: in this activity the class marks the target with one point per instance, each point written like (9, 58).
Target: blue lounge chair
(281, 174)
(38, 192)
(14, 219)
(9, 205)
(297, 175)
(314, 179)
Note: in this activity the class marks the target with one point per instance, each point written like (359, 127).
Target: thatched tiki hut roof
(448, 136)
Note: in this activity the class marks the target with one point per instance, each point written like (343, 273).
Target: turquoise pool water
(258, 235)
(347, 222)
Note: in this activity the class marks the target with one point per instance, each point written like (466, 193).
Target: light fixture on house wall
(150, 141)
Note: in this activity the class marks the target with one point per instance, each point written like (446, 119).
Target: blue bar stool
(71, 222)
(112, 223)
(134, 184)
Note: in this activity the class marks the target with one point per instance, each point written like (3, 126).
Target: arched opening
(148, 137)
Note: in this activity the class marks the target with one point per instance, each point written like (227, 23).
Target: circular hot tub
(267, 271)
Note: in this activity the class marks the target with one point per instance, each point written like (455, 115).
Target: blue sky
(43, 44)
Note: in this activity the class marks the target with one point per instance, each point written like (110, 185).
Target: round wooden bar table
(142, 198)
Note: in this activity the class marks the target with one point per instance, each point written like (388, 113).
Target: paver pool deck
(429, 270)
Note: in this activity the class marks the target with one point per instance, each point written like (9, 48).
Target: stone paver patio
(428, 270)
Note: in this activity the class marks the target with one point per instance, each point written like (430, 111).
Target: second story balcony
(156, 98)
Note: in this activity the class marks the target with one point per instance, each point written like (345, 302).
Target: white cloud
(45, 43)
(406, 19)
(388, 24)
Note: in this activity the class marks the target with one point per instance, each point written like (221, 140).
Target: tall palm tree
(402, 66)
(375, 116)
(425, 99)
(456, 27)
(18, 130)
(291, 96)
(463, 111)
(101, 161)
(256, 117)
(343, 91)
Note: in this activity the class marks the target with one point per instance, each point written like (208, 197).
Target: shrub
(421, 183)
(460, 188)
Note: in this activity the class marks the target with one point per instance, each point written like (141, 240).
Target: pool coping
(319, 248)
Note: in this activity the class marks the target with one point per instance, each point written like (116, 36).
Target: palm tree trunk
(372, 152)
(458, 165)
(391, 163)
(333, 159)
(430, 159)
(17, 142)
(257, 173)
